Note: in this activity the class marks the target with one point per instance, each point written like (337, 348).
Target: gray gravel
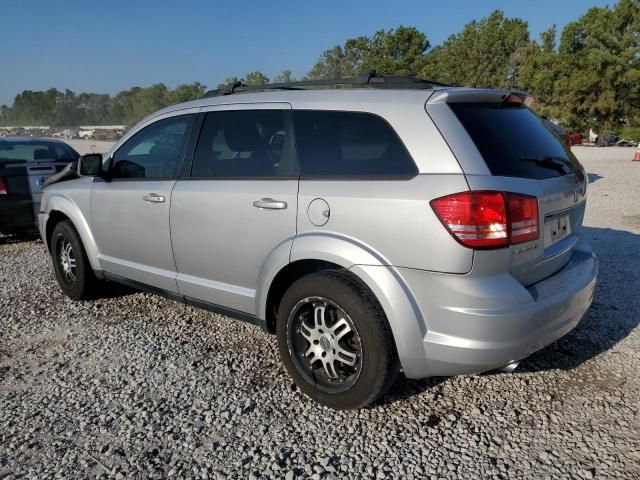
(136, 386)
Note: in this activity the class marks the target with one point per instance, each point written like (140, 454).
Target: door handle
(154, 198)
(270, 204)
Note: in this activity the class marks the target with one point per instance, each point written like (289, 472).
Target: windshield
(34, 150)
(515, 142)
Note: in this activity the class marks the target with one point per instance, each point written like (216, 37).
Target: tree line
(590, 78)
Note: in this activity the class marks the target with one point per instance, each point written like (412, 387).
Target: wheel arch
(60, 208)
(315, 252)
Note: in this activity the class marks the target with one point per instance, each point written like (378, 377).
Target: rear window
(514, 142)
(349, 144)
(34, 150)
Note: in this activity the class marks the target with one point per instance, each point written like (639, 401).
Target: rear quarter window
(514, 142)
(349, 144)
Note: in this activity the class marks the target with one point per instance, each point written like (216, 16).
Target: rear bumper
(16, 213)
(475, 324)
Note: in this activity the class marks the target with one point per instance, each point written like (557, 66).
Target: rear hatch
(39, 172)
(503, 146)
(29, 175)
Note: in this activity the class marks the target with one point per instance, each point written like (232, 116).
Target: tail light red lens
(523, 218)
(486, 219)
(3, 186)
(475, 219)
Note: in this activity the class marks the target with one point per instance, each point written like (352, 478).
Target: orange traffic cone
(636, 157)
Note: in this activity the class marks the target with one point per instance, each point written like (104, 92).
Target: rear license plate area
(38, 175)
(557, 227)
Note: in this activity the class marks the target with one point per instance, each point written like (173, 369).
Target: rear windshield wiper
(559, 164)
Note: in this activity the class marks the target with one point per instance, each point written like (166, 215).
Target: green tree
(5, 115)
(136, 103)
(593, 78)
(94, 108)
(31, 107)
(487, 53)
(256, 78)
(398, 52)
(540, 74)
(130, 106)
(600, 82)
(548, 39)
(284, 77)
(185, 93)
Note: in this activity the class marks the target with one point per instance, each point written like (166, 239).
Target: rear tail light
(3, 186)
(522, 211)
(485, 219)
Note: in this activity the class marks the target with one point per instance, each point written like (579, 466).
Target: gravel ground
(136, 386)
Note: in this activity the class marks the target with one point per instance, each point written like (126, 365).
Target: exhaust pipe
(511, 366)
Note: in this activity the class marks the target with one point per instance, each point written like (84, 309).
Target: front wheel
(70, 263)
(335, 341)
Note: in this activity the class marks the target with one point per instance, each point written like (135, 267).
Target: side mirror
(90, 165)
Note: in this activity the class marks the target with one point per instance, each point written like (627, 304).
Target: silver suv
(416, 228)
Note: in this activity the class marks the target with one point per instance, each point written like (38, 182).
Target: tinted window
(334, 144)
(153, 152)
(36, 150)
(514, 142)
(245, 143)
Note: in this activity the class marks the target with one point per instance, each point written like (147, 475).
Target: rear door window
(349, 144)
(245, 143)
(515, 142)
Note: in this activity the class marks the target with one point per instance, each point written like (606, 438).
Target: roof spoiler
(480, 95)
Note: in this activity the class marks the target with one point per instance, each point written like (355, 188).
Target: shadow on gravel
(114, 290)
(18, 238)
(614, 313)
(594, 177)
(405, 388)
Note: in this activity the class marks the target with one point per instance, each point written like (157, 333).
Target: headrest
(241, 134)
(42, 153)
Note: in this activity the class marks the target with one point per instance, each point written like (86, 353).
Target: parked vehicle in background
(574, 138)
(25, 164)
(85, 133)
(418, 227)
(105, 134)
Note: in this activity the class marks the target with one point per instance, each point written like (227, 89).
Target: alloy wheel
(66, 260)
(324, 344)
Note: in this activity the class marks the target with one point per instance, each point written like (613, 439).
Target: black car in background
(25, 164)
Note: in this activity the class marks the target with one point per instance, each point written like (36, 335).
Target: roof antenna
(366, 77)
(231, 87)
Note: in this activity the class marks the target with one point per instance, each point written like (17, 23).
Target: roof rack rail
(369, 78)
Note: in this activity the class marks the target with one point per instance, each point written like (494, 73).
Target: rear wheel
(70, 263)
(335, 341)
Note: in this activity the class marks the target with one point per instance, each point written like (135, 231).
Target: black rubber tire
(85, 283)
(380, 365)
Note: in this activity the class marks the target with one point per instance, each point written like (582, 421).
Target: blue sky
(107, 46)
